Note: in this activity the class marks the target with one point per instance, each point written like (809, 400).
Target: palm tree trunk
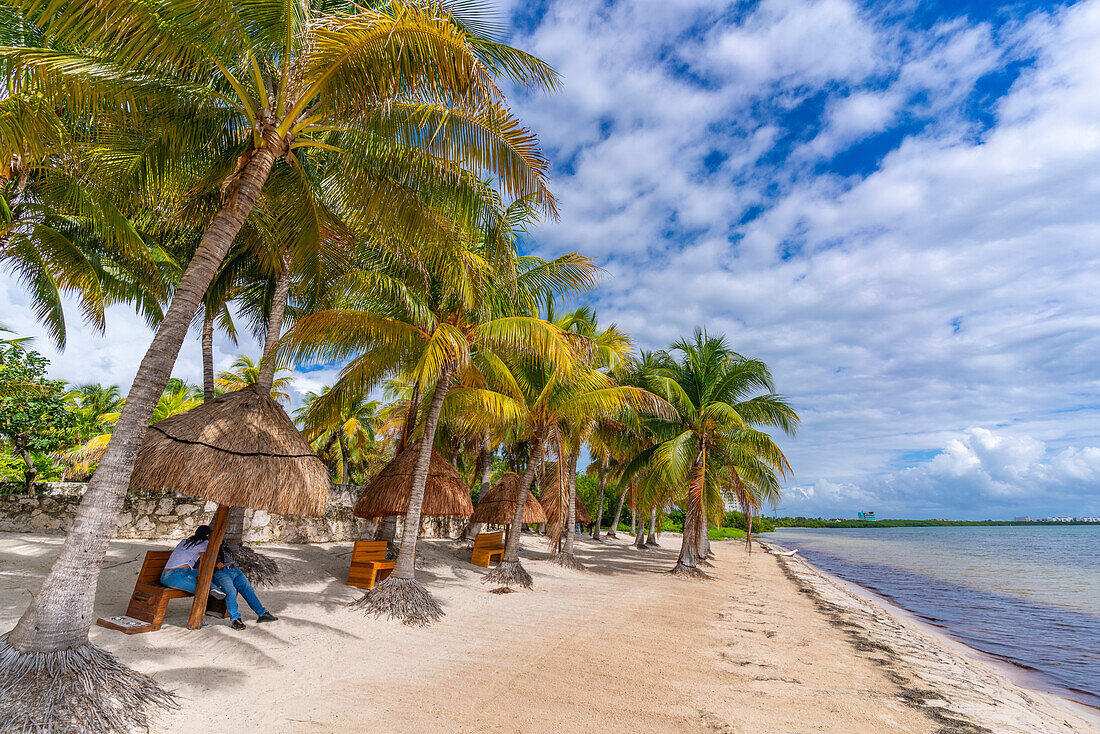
(89, 684)
(485, 473)
(260, 569)
(639, 538)
(599, 507)
(687, 563)
(400, 595)
(345, 457)
(748, 529)
(268, 362)
(510, 571)
(651, 539)
(613, 530)
(634, 510)
(410, 419)
(208, 392)
(702, 542)
(565, 557)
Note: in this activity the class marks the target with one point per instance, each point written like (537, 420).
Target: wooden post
(206, 568)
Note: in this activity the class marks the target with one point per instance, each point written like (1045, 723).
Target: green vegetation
(34, 417)
(817, 522)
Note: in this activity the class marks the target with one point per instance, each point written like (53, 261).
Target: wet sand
(766, 646)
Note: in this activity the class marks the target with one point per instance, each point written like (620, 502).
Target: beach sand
(769, 645)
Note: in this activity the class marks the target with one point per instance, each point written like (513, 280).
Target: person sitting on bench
(181, 572)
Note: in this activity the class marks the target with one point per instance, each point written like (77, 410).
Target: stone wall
(51, 508)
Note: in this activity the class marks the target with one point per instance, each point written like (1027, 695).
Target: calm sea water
(1027, 595)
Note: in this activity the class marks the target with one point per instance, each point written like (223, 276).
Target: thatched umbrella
(387, 494)
(555, 509)
(239, 449)
(498, 504)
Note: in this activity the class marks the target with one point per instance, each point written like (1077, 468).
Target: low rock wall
(51, 508)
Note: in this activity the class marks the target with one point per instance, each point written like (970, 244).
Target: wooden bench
(150, 599)
(488, 548)
(368, 564)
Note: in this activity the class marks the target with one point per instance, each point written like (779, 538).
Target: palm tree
(402, 100)
(714, 391)
(60, 234)
(96, 407)
(431, 326)
(534, 400)
(608, 350)
(244, 372)
(350, 423)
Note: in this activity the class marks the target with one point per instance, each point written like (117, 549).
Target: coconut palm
(401, 98)
(534, 400)
(350, 423)
(244, 372)
(608, 349)
(452, 320)
(717, 395)
(60, 233)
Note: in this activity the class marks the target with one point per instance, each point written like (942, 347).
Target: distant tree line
(817, 522)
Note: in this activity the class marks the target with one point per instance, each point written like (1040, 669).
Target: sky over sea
(895, 205)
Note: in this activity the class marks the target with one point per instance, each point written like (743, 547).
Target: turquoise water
(1027, 595)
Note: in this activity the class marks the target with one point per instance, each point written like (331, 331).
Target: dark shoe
(237, 624)
(267, 617)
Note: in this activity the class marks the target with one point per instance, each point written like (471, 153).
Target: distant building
(1025, 518)
(1088, 519)
(867, 516)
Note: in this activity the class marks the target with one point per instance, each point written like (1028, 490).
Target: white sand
(621, 648)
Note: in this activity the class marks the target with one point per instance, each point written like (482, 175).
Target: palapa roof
(388, 492)
(239, 449)
(498, 504)
(552, 506)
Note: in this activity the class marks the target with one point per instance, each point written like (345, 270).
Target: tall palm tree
(534, 400)
(609, 349)
(351, 424)
(244, 372)
(401, 98)
(720, 397)
(433, 326)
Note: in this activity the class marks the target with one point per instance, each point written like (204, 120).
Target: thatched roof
(552, 506)
(239, 449)
(498, 504)
(388, 492)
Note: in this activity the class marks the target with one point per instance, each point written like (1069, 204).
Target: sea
(1025, 595)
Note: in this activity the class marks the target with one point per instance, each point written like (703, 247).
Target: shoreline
(960, 685)
(766, 646)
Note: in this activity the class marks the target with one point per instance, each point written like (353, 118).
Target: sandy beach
(770, 645)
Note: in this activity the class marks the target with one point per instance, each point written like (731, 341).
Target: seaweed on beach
(890, 661)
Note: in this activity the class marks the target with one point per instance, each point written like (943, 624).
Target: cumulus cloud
(898, 217)
(977, 470)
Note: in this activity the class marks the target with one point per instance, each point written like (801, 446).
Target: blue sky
(893, 204)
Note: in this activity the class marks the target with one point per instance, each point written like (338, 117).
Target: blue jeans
(229, 580)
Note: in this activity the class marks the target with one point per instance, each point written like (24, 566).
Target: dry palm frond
(508, 573)
(85, 690)
(401, 598)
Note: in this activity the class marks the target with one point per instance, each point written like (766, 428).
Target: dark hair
(202, 532)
